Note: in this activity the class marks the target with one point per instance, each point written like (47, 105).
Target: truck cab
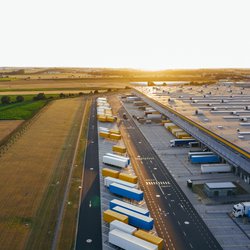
(238, 210)
(241, 209)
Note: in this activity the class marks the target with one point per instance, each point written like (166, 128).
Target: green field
(21, 110)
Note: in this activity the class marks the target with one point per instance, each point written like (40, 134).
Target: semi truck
(215, 168)
(195, 159)
(127, 192)
(114, 161)
(241, 209)
(181, 142)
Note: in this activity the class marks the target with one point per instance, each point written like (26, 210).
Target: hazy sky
(150, 34)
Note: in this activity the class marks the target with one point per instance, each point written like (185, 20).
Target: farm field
(33, 173)
(56, 85)
(25, 109)
(6, 127)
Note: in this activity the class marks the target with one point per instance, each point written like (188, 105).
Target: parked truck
(241, 209)
(181, 142)
(116, 162)
(195, 159)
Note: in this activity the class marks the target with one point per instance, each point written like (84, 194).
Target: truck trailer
(119, 157)
(199, 153)
(215, 168)
(180, 142)
(129, 242)
(115, 202)
(114, 161)
(109, 180)
(127, 192)
(195, 159)
(116, 224)
(135, 219)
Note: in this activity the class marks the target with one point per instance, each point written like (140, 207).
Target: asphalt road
(176, 220)
(89, 235)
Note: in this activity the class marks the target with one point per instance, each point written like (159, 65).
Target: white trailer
(154, 116)
(129, 242)
(113, 161)
(215, 168)
(168, 124)
(109, 180)
(116, 224)
(103, 129)
(119, 157)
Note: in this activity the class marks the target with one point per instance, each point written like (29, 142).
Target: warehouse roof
(215, 185)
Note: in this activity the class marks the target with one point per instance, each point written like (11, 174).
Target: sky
(142, 34)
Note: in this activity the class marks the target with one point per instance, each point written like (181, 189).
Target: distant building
(215, 189)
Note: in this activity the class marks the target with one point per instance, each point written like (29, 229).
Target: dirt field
(26, 170)
(6, 127)
(61, 84)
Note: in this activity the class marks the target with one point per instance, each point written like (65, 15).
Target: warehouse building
(215, 189)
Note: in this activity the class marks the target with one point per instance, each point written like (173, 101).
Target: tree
(5, 99)
(19, 98)
(62, 95)
(81, 94)
(96, 91)
(39, 96)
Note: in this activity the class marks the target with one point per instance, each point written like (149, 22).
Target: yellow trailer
(129, 178)
(110, 172)
(110, 215)
(104, 134)
(102, 118)
(115, 131)
(110, 118)
(115, 137)
(170, 128)
(150, 238)
(119, 149)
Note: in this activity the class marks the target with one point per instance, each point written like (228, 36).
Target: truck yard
(216, 215)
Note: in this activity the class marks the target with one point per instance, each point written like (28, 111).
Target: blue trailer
(115, 202)
(124, 191)
(181, 142)
(205, 159)
(135, 219)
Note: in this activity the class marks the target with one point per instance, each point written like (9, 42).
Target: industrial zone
(174, 169)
